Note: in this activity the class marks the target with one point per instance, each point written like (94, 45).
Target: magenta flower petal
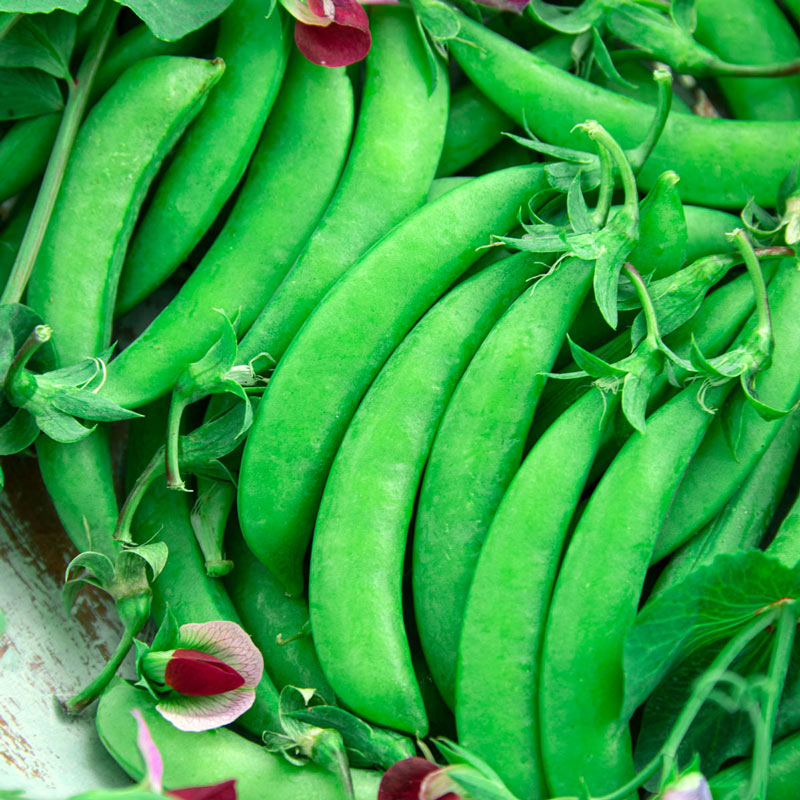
(153, 763)
(403, 780)
(218, 791)
(205, 713)
(198, 674)
(229, 643)
(333, 46)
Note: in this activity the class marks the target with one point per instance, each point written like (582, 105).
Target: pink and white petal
(334, 46)
(517, 6)
(300, 11)
(228, 641)
(153, 763)
(204, 713)
(349, 13)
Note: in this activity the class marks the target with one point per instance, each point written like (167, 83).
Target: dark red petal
(219, 791)
(200, 674)
(332, 46)
(505, 5)
(346, 12)
(403, 780)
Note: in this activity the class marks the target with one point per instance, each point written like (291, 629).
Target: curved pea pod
(209, 757)
(392, 161)
(212, 157)
(361, 529)
(317, 385)
(116, 154)
(721, 162)
(286, 190)
(25, 148)
(742, 523)
(277, 623)
(740, 436)
(752, 31)
(707, 228)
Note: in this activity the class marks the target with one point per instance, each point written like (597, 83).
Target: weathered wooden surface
(44, 654)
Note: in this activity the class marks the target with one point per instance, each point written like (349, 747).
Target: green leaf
(593, 365)
(638, 384)
(154, 554)
(766, 412)
(603, 60)
(28, 93)
(167, 636)
(684, 14)
(41, 41)
(87, 405)
(18, 433)
(439, 19)
(70, 591)
(16, 323)
(43, 6)
(97, 564)
(577, 211)
(57, 425)
(214, 439)
(709, 606)
(616, 241)
(573, 20)
(173, 19)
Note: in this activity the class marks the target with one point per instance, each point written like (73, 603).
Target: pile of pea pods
(463, 378)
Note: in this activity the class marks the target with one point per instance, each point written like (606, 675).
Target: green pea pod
(721, 162)
(499, 656)
(116, 154)
(743, 522)
(786, 544)
(392, 162)
(707, 228)
(585, 736)
(663, 234)
(209, 757)
(24, 150)
(276, 622)
(315, 388)
(360, 533)
(738, 439)
(183, 584)
(11, 237)
(752, 31)
(477, 450)
(784, 773)
(285, 192)
(213, 155)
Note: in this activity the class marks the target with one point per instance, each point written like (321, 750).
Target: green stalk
(639, 154)
(653, 336)
(37, 337)
(155, 468)
(176, 408)
(776, 677)
(77, 100)
(764, 328)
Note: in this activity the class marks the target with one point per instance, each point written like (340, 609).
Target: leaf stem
(648, 309)
(77, 100)
(176, 408)
(750, 259)
(37, 337)
(639, 154)
(776, 677)
(155, 468)
(87, 696)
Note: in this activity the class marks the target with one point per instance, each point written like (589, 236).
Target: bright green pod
(389, 170)
(11, 237)
(286, 190)
(786, 544)
(707, 228)
(209, 757)
(752, 32)
(317, 385)
(743, 521)
(26, 147)
(212, 157)
(721, 162)
(478, 448)
(361, 529)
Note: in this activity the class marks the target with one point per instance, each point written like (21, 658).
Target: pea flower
(416, 779)
(203, 675)
(691, 786)
(154, 770)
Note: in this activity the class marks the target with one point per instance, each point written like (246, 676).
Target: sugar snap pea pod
(25, 149)
(475, 124)
(276, 622)
(721, 162)
(316, 386)
(707, 228)
(597, 592)
(500, 645)
(753, 32)
(285, 192)
(213, 155)
(477, 450)
(442, 185)
(741, 524)
(182, 584)
(726, 457)
(360, 534)
(392, 162)
(786, 544)
(209, 757)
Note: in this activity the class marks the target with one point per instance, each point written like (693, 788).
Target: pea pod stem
(154, 468)
(648, 309)
(77, 99)
(176, 408)
(37, 337)
(764, 325)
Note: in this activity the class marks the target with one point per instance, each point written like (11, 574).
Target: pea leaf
(18, 433)
(572, 20)
(43, 6)
(27, 93)
(684, 14)
(708, 607)
(42, 41)
(173, 19)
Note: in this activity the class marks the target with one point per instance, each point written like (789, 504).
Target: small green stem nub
(77, 100)
(176, 408)
(37, 337)
(85, 698)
